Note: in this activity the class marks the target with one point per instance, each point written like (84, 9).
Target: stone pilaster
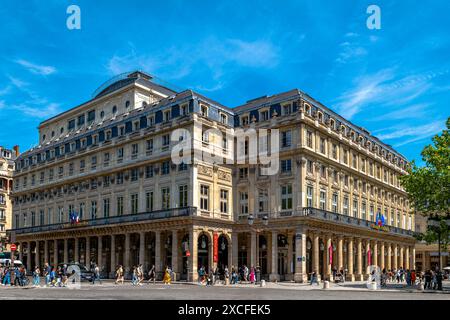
(350, 271)
(113, 255)
(300, 255)
(274, 276)
(175, 247)
(359, 275)
(76, 250)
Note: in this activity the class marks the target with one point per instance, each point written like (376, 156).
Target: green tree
(428, 187)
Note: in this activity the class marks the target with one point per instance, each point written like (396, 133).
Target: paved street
(280, 291)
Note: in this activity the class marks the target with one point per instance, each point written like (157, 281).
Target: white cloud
(41, 112)
(415, 133)
(384, 88)
(411, 112)
(35, 68)
(216, 55)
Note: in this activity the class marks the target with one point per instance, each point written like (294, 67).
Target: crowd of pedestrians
(242, 274)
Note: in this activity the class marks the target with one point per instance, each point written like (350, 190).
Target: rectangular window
(334, 202)
(371, 213)
(355, 208)
(223, 201)
(286, 197)
(106, 207)
(309, 196)
(323, 200)
(334, 152)
(263, 201)
(149, 201)
(91, 116)
(134, 150)
(94, 209)
(243, 203)
(71, 125)
(286, 166)
(286, 139)
(345, 206)
(309, 139)
(322, 145)
(165, 198)
(183, 196)
(119, 177)
(264, 115)
(204, 197)
(82, 209)
(134, 174)
(165, 169)
(165, 140)
(148, 171)
(149, 145)
(243, 173)
(134, 203)
(120, 206)
(363, 211)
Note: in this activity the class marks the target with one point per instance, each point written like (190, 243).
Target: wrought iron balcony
(140, 217)
(344, 219)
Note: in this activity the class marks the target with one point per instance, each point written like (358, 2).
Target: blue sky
(395, 82)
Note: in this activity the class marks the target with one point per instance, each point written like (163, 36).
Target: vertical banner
(330, 253)
(216, 247)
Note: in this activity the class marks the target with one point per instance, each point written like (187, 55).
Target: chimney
(16, 150)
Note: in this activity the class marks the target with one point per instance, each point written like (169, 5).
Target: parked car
(85, 273)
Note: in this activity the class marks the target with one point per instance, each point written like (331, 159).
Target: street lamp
(251, 219)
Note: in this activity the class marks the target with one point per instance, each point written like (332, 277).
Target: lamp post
(435, 224)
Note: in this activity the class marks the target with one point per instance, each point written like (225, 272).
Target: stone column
(315, 255)
(36, 256)
(175, 251)
(46, 257)
(340, 254)
(350, 275)
(76, 250)
(389, 257)
(55, 252)
(407, 258)
(66, 250)
(359, 274)
(395, 265)
(375, 253)
(113, 255)
(253, 258)
(100, 252)
(88, 252)
(382, 259)
(291, 264)
(300, 255)
(235, 246)
(401, 259)
(29, 256)
(274, 276)
(328, 264)
(158, 268)
(20, 244)
(366, 272)
(192, 259)
(126, 258)
(142, 249)
(413, 258)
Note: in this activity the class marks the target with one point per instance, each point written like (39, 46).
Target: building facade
(427, 255)
(111, 161)
(7, 158)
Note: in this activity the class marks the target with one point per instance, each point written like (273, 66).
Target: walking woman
(252, 275)
(152, 275)
(36, 276)
(119, 274)
(167, 279)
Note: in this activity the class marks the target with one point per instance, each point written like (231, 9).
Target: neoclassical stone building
(6, 174)
(110, 161)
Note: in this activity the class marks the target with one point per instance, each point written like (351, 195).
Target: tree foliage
(428, 187)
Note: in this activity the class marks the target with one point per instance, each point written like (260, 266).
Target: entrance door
(282, 264)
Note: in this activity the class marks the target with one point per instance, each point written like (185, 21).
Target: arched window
(114, 110)
(127, 104)
(102, 114)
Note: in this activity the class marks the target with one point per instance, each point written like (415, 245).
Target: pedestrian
(252, 275)
(216, 275)
(7, 276)
(140, 274)
(134, 276)
(96, 274)
(434, 280)
(47, 271)
(226, 275)
(314, 278)
(167, 278)
(413, 277)
(119, 274)
(245, 269)
(152, 275)
(408, 278)
(36, 276)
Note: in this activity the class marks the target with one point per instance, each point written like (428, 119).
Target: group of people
(14, 276)
(137, 275)
(240, 275)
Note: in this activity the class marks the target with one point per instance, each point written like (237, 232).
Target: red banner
(330, 254)
(216, 247)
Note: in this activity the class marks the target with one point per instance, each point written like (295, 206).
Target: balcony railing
(140, 217)
(348, 220)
